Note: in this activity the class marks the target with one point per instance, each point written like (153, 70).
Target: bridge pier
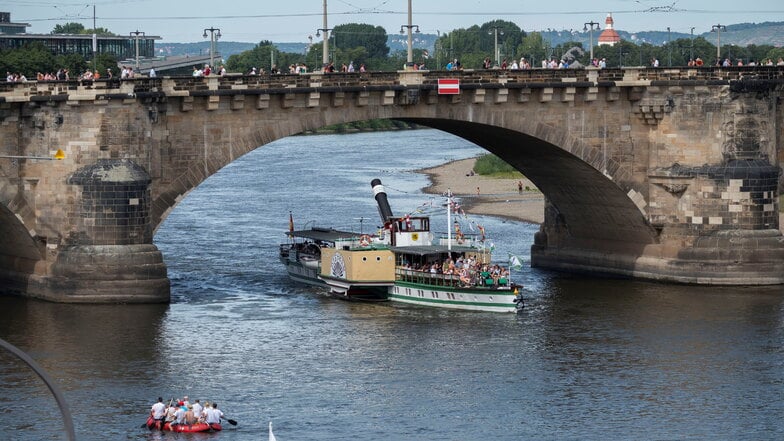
(107, 255)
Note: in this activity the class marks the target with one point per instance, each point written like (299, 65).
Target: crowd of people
(469, 271)
(208, 70)
(182, 411)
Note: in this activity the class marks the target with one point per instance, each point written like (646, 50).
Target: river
(586, 359)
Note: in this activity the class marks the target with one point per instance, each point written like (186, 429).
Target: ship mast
(449, 220)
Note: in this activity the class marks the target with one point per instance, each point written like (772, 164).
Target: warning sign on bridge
(448, 86)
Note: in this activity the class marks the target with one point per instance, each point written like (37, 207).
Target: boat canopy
(324, 234)
(432, 249)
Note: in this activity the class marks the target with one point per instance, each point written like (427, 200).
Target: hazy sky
(295, 20)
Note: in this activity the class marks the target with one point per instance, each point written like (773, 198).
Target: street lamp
(409, 26)
(691, 49)
(717, 29)
(496, 31)
(669, 48)
(325, 43)
(137, 33)
(215, 34)
(586, 28)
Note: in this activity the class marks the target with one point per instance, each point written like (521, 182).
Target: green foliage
(493, 165)
(106, 61)
(28, 60)
(68, 28)
(471, 46)
(354, 35)
(78, 28)
(75, 64)
(533, 48)
(369, 125)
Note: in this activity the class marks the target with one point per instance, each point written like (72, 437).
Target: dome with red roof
(608, 35)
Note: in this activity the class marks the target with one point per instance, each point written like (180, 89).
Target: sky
(296, 20)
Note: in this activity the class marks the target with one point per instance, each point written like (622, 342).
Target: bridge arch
(645, 171)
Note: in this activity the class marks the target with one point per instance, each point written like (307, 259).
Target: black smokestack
(381, 199)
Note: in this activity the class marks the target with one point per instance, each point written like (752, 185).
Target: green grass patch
(495, 167)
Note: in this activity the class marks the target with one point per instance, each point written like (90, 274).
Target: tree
(28, 60)
(78, 28)
(69, 28)
(510, 36)
(533, 47)
(355, 35)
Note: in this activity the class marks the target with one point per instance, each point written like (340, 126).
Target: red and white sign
(448, 86)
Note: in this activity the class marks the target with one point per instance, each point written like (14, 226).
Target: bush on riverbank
(370, 125)
(493, 166)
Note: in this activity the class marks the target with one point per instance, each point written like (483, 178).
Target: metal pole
(95, 44)
(325, 48)
(137, 33)
(691, 49)
(717, 28)
(497, 61)
(591, 24)
(58, 395)
(213, 38)
(410, 55)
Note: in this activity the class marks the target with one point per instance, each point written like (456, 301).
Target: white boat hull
(501, 300)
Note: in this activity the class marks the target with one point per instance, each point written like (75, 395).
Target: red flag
(448, 86)
(291, 223)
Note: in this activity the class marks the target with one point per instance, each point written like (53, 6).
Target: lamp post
(137, 33)
(215, 34)
(496, 31)
(586, 28)
(717, 29)
(325, 43)
(409, 26)
(669, 48)
(691, 48)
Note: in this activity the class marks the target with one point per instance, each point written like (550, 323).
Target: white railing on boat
(449, 280)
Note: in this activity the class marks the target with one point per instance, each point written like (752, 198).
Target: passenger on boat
(179, 414)
(190, 418)
(158, 411)
(214, 414)
(170, 411)
(197, 410)
(465, 279)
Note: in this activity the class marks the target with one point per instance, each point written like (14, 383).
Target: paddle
(232, 422)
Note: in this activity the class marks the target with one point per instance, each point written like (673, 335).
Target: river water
(586, 359)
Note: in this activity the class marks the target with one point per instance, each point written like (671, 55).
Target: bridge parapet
(469, 79)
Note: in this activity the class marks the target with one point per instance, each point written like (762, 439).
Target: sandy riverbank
(496, 197)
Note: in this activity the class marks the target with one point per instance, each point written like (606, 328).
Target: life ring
(364, 240)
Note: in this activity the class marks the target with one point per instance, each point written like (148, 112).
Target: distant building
(14, 36)
(6, 27)
(608, 35)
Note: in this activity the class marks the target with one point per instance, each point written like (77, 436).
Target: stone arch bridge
(665, 174)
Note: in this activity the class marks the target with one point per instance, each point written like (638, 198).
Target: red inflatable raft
(184, 428)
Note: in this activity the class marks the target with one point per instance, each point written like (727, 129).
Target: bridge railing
(471, 78)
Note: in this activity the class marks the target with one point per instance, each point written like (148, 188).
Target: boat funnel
(381, 199)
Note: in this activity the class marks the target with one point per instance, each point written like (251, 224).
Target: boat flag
(271, 435)
(291, 223)
(515, 262)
